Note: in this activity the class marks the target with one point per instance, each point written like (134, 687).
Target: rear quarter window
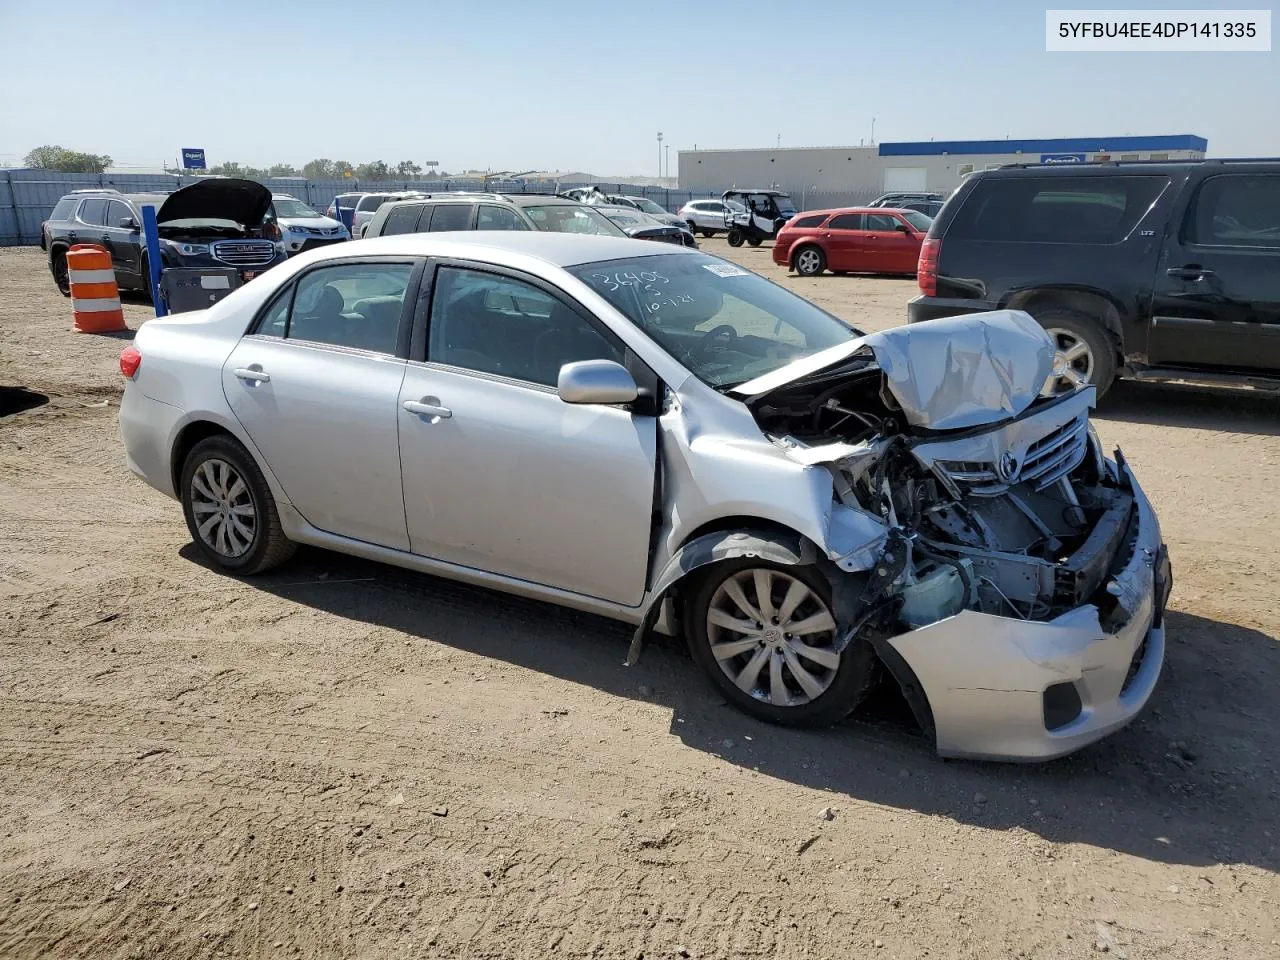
(1056, 209)
(64, 208)
(402, 219)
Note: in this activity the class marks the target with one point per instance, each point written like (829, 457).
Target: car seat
(568, 338)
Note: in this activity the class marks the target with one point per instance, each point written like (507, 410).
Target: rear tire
(229, 509)
(809, 261)
(768, 672)
(708, 234)
(1085, 342)
(754, 241)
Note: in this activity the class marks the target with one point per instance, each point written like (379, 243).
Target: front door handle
(1190, 273)
(431, 410)
(252, 375)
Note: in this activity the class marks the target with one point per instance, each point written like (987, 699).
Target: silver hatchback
(664, 438)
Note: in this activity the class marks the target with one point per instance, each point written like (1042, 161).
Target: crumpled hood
(947, 374)
(243, 201)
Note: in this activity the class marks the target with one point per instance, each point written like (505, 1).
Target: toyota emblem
(1007, 467)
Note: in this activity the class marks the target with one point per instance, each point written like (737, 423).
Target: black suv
(218, 222)
(1151, 270)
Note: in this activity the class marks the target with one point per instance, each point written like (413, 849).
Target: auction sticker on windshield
(726, 270)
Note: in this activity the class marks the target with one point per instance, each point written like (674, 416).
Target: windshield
(567, 218)
(918, 220)
(725, 324)
(785, 205)
(628, 218)
(648, 206)
(286, 207)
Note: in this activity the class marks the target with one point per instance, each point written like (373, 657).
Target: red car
(852, 239)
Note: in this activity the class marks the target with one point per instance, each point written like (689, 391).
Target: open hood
(947, 374)
(224, 198)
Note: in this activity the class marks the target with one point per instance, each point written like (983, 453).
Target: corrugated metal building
(928, 165)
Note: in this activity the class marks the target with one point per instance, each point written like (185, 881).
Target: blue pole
(151, 233)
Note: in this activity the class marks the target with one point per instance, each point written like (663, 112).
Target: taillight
(130, 360)
(927, 268)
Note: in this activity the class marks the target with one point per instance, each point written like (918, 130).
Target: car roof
(835, 210)
(503, 247)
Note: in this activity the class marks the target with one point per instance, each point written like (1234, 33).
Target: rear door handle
(423, 409)
(252, 375)
(1190, 273)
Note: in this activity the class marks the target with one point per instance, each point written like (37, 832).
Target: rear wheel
(708, 234)
(809, 261)
(765, 636)
(58, 266)
(229, 508)
(754, 241)
(1084, 345)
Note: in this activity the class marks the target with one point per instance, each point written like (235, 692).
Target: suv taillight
(130, 360)
(927, 268)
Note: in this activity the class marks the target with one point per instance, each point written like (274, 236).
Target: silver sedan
(667, 439)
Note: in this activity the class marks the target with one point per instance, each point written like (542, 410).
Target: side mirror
(905, 229)
(596, 381)
(128, 223)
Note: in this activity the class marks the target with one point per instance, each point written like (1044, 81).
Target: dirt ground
(346, 760)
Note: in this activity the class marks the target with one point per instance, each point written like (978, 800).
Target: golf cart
(765, 214)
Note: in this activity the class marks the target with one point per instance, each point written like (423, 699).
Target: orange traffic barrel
(95, 298)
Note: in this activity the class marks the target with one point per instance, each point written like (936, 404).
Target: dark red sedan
(852, 240)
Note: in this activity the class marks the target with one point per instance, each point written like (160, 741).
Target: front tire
(765, 636)
(58, 267)
(1084, 343)
(809, 261)
(735, 237)
(229, 509)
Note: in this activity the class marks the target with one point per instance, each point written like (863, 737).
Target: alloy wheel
(807, 262)
(223, 507)
(1076, 362)
(773, 636)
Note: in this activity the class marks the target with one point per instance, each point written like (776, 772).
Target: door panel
(517, 482)
(326, 424)
(889, 250)
(843, 235)
(125, 244)
(1216, 292)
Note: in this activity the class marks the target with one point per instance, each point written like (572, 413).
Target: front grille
(245, 253)
(1045, 462)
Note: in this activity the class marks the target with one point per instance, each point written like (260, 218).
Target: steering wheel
(723, 331)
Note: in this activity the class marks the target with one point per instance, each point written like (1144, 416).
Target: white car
(708, 216)
(659, 436)
(302, 229)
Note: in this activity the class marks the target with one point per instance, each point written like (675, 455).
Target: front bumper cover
(985, 676)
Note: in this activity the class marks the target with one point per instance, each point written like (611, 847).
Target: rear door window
(491, 217)
(1056, 209)
(1236, 210)
(402, 219)
(356, 305)
(847, 221)
(811, 221)
(450, 216)
(94, 212)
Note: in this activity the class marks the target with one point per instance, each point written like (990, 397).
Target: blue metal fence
(28, 196)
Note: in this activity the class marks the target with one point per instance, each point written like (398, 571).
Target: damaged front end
(1017, 591)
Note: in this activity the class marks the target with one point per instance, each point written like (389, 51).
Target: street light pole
(659, 154)
(668, 173)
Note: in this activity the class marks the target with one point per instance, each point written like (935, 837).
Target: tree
(319, 170)
(375, 170)
(408, 170)
(52, 157)
(283, 170)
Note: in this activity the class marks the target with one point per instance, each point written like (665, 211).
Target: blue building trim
(934, 148)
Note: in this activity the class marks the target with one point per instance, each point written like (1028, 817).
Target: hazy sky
(571, 85)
